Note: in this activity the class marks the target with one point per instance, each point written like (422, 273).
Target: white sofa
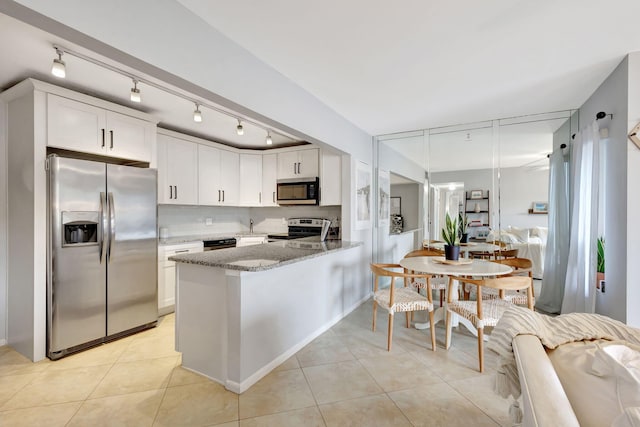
(571, 370)
(530, 242)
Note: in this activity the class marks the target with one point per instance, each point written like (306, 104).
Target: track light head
(268, 140)
(197, 115)
(135, 92)
(239, 128)
(59, 68)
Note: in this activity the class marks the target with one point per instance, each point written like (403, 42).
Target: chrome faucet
(250, 225)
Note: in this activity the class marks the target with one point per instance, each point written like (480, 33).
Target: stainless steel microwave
(299, 191)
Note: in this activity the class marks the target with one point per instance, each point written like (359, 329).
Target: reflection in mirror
(524, 146)
(462, 177)
(403, 156)
(495, 172)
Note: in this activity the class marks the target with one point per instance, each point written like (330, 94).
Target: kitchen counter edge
(276, 250)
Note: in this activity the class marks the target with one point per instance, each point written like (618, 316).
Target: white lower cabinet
(167, 273)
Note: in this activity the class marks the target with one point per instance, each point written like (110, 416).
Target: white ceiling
(385, 66)
(414, 64)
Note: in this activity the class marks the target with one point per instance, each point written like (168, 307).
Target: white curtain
(579, 289)
(557, 250)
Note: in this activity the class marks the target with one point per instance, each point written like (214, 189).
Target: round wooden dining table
(465, 267)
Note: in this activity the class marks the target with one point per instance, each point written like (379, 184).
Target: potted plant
(451, 239)
(463, 223)
(600, 267)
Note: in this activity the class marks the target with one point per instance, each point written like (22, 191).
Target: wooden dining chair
(521, 267)
(488, 254)
(485, 312)
(401, 299)
(505, 253)
(438, 283)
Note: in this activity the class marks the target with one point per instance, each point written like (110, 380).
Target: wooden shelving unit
(479, 219)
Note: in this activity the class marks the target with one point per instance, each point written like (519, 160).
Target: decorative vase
(464, 238)
(477, 208)
(451, 253)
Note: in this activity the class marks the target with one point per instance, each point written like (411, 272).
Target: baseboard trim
(240, 388)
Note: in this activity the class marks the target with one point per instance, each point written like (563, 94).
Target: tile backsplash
(183, 220)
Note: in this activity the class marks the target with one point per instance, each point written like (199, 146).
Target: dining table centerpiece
(451, 238)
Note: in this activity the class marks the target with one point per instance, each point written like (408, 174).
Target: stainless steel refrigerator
(102, 255)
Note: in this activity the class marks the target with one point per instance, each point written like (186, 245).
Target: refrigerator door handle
(112, 225)
(103, 225)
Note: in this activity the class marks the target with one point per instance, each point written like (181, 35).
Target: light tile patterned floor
(345, 377)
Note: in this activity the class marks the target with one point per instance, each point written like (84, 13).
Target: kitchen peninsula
(241, 312)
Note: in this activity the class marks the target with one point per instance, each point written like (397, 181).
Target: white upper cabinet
(177, 171)
(298, 164)
(218, 172)
(251, 180)
(330, 179)
(269, 179)
(229, 173)
(77, 126)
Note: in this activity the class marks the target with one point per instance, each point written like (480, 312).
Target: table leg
(438, 316)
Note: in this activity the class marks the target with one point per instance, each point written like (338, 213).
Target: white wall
(3, 224)
(409, 204)
(391, 248)
(519, 187)
(612, 97)
(633, 194)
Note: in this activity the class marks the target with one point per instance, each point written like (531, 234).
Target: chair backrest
(507, 283)
(516, 263)
(499, 243)
(424, 252)
(504, 283)
(387, 270)
(506, 253)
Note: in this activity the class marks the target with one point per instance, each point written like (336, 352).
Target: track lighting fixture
(135, 92)
(59, 68)
(197, 115)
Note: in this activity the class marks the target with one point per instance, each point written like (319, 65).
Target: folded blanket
(552, 332)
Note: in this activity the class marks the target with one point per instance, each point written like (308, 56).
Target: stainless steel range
(303, 227)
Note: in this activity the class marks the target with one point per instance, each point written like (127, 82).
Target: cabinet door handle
(274, 197)
(111, 137)
(182, 251)
(223, 195)
(299, 167)
(294, 168)
(219, 196)
(170, 192)
(103, 141)
(259, 197)
(175, 190)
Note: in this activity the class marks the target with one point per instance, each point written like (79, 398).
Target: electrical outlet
(602, 286)
(208, 221)
(284, 221)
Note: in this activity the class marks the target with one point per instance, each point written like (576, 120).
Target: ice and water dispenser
(80, 228)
